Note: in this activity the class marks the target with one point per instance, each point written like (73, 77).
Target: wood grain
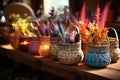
(76, 72)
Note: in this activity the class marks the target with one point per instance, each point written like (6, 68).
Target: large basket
(98, 55)
(70, 54)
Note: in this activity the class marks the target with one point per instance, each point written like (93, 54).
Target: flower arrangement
(22, 24)
(63, 28)
(94, 31)
(95, 34)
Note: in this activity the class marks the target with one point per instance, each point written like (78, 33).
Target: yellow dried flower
(21, 25)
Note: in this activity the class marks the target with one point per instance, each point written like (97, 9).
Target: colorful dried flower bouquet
(94, 32)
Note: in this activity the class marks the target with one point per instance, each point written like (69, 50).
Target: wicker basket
(70, 54)
(54, 48)
(98, 55)
(114, 47)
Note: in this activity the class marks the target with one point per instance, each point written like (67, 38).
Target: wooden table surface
(80, 71)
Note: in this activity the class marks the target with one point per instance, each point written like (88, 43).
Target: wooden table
(80, 71)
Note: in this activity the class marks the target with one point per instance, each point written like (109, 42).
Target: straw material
(54, 49)
(70, 54)
(98, 48)
(114, 47)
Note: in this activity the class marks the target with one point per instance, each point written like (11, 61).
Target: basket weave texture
(54, 48)
(70, 54)
(98, 56)
(114, 47)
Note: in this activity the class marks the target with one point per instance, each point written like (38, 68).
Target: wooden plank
(80, 71)
(115, 65)
(108, 72)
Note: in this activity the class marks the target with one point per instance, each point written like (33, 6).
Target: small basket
(70, 54)
(54, 48)
(114, 47)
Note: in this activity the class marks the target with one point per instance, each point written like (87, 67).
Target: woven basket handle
(75, 27)
(115, 33)
(71, 28)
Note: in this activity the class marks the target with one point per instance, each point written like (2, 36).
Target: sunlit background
(57, 4)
